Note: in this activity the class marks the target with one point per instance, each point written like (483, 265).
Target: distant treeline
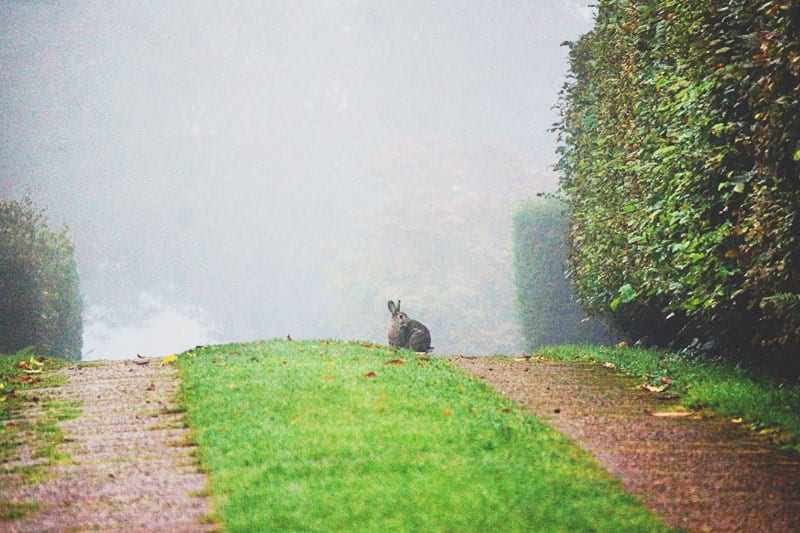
(680, 161)
(40, 301)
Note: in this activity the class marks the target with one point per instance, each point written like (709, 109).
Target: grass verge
(331, 436)
(28, 419)
(771, 408)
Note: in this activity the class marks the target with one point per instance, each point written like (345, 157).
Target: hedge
(40, 301)
(547, 307)
(679, 155)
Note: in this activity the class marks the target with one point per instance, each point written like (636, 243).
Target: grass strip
(28, 420)
(337, 436)
(769, 406)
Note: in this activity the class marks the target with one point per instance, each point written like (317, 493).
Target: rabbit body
(405, 332)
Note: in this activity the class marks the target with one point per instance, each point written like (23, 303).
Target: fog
(230, 171)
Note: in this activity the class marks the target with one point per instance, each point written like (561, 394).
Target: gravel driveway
(131, 462)
(703, 474)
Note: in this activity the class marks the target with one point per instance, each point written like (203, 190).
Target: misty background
(230, 171)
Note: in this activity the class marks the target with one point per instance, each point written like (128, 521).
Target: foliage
(437, 239)
(40, 302)
(332, 436)
(680, 154)
(771, 406)
(546, 305)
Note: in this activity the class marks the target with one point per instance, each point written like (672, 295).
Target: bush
(680, 142)
(547, 307)
(40, 302)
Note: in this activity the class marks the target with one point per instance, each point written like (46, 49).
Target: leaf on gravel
(169, 359)
(672, 414)
(653, 388)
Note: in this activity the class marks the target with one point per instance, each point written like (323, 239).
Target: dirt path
(701, 474)
(131, 465)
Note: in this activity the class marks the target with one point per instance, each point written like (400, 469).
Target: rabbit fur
(405, 332)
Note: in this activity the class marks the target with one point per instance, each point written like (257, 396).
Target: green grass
(325, 436)
(769, 406)
(14, 511)
(19, 373)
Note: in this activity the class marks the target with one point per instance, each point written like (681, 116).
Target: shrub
(680, 142)
(40, 302)
(547, 307)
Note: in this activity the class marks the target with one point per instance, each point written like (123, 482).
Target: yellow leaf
(736, 420)
(34, 362)
(169, 359)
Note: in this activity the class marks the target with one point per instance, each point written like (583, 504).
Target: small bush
(40, 302)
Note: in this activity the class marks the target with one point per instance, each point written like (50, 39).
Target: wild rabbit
(407, 333)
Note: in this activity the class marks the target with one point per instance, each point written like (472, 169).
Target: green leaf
(627, 294)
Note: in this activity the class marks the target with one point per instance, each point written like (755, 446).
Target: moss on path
(128, 462)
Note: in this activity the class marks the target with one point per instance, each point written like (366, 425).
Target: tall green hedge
(547, 308)
(40, 302)
(680, 143)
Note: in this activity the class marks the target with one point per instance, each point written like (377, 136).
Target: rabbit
(407, 333)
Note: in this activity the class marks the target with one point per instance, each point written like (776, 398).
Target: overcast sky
(201, 152)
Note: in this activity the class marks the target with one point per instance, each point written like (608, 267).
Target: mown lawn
(337, 436)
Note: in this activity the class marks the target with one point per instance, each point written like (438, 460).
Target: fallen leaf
(653, 388)
(370, 374)
(666, 381)
(672, 414)
(736, 420)
(169, 359)
(151, 387)
(396, 362)
(447, 412)
(622, 344)
(609, 365)
(326, 378)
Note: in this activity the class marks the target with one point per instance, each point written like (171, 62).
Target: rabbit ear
(398, 306)
(392, 308)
